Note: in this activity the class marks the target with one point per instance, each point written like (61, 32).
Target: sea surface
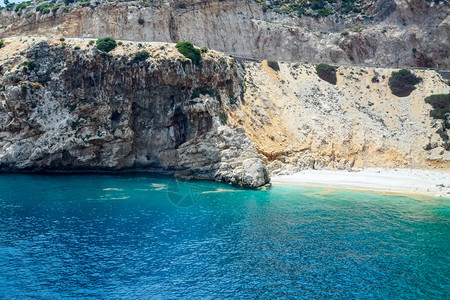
(150, 237)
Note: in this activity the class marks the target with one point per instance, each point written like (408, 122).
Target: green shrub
(141, 21)
(62, 39)
(327, 73)
(233, 99)
(106, 44)
(402, 82)
(2, 44)
(56, 7)
(303, 7)
(91, 42)
(441, 106)
(189, 51)
(76, 48)
(22, 5)
(140, 56)
(44, 8)
(119, 43)
(84, 4)
(414, 50)
(30, 65)
(223, 118)
(324, 12)
(203, 49)
(273, 65)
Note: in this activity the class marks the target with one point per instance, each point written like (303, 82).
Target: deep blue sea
(149, 237)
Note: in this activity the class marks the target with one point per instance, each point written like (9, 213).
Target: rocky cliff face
(82, 109)
(73, 107)
(299, 121)
(384, 34)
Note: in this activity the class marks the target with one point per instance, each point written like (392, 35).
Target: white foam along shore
(401, 181)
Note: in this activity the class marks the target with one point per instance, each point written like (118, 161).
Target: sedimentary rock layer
(388, 34)
(83, 109)
(65, 105)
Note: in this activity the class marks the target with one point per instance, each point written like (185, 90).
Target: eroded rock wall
(82, 109)
(229, 120)
(383, 37)
(299, 121)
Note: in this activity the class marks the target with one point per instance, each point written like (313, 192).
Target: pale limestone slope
(300, 121)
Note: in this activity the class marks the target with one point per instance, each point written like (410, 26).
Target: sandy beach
(401, 181)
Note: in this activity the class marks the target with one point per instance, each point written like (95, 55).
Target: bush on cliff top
(106, 44)
(140, 56)
(327, 73)
(441, 106)
(2, 43)
(403, 82)
(317, 8)
(189, 51)
(273, 65)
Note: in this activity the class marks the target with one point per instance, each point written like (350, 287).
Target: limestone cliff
(299, 121)
(67, 105)
(386, 33)
(77, 108)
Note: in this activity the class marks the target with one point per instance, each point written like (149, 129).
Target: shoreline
(392, 181)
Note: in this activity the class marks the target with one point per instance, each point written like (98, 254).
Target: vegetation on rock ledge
(441, 107)
(106, 44)
(327, 73)
(140, 56)
(189, 51)
(315, 8)
(403, 82)
(274, 65)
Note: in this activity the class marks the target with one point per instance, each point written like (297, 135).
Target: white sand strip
(404, 181)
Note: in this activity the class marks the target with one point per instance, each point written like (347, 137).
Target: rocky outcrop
(299, 121)
(383, 35)
(66, 108)
(72, 107)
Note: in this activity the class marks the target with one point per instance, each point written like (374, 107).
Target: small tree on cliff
(189, 51)
(403, 82)
(106, 44)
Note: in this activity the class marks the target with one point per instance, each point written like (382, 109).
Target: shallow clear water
(136, 236)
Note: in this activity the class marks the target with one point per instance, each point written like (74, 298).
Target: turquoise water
(136, 236)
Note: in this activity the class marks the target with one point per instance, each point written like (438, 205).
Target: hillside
(382, 33)
(66, 105)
